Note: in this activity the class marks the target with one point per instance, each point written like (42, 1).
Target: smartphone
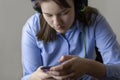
(46, 68)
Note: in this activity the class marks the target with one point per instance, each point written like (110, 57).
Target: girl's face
(58, 18)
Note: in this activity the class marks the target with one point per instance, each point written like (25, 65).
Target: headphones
(80, 5)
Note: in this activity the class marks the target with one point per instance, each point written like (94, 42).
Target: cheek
(48, 20)
(69, 19)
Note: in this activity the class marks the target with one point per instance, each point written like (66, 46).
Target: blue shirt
(37, 53)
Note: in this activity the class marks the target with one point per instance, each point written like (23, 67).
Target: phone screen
(46, 68)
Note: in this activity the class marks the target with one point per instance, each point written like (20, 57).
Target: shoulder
(33, 19)
(100, 21)
(100, 18)
(32, 24)
(102, 26)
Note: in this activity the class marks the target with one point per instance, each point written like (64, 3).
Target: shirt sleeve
(109, 47)
(31, 57)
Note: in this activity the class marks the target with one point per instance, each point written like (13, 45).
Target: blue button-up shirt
(37, 53)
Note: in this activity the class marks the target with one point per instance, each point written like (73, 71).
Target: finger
(59, 73)
(44, 74)
(64, 66)
(65, 58)
(50, 78)
(40, 68)
(65, 77)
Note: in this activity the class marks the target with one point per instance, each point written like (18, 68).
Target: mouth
(59, 27)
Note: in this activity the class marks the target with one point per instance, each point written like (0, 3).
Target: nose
(56, 21)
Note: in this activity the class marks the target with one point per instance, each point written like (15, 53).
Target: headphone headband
(79, 4)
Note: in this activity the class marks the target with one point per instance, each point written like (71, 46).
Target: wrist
(95, 69)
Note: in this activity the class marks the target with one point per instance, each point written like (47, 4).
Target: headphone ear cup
(80, 5)
(35, 6)
(37, 9)
(86, 2)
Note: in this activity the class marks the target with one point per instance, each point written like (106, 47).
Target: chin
(62, 32)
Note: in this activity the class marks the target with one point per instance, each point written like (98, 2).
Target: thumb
(65, 58)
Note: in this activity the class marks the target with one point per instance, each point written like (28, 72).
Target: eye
(65, 13)
(48, 15)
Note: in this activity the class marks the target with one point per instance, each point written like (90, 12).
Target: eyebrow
(59, 12)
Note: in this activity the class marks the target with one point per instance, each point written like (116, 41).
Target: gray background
(13, 15)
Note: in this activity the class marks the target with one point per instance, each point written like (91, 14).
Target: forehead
(49, 5)
(52, 6)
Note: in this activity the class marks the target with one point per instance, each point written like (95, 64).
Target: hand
(71, 68)
(39, 74)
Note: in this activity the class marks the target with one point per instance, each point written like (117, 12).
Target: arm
(31, 58)
(31, 55)
(109, 48)
(74, 67)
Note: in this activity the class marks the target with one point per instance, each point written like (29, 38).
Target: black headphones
(79, 5)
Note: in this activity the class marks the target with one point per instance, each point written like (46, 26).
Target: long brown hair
(86, 16)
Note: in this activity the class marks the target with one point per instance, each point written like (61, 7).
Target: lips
(59, 27)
